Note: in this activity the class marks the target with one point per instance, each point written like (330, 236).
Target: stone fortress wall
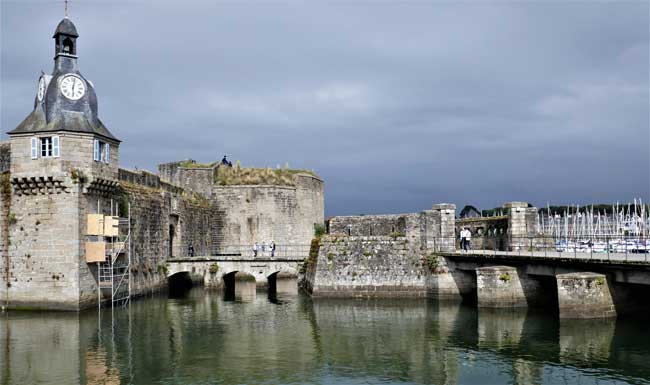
(255, 213)
(379, 255)
(43, 233)
(395, 254)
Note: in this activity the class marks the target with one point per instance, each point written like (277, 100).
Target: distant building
(469, 212)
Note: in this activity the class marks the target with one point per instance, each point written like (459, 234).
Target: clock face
(72, 87)
(41, 89)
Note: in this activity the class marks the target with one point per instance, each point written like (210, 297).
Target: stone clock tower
(64, 165)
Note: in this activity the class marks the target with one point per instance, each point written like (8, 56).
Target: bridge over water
(220, 271)
(582, 285)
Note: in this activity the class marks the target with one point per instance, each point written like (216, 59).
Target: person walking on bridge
(468, 239)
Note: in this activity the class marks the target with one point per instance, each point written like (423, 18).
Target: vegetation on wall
(226, 176)
(319, 230)
(432, 262)
(78, 177)
(193, 164)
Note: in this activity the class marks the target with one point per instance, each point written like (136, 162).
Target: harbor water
(207, 337)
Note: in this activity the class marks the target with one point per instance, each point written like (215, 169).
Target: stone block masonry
(584, 295)
(499, 286)
(375, 266)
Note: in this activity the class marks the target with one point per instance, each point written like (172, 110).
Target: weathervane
(66, 8)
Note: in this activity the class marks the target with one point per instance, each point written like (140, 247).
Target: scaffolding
(114, 265)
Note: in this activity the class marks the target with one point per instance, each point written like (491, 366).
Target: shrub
(214, 268)
(162, 269)
(396, 234)
(319, 230)
(12, 219)
(505, 277)
(432, 262)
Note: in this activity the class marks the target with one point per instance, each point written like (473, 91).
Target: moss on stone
(192, 164)
(232, 176)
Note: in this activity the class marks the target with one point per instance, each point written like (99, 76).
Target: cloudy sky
(397, 105)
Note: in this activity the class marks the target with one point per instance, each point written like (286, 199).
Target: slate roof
(70, 121)
(66, 27)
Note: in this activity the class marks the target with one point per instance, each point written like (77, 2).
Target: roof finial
(66, 8)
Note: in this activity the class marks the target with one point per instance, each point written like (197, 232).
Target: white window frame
(56, 146)
(96, 149)
(46, 146)
(34, 143)
(107, 153)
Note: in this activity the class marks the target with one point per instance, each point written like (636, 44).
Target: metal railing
(263, 252)
(596, 247)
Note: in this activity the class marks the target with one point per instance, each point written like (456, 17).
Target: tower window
(101, 151)
(68, 46)
(47, 147)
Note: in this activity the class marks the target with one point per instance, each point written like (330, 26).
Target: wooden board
(111, 226)
(95, 224)
(95, 252)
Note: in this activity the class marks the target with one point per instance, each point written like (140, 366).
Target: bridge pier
(499, 286)
(449, 283)
(584, 295)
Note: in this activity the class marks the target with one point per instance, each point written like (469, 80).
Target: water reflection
(586, 342)
(200, 338)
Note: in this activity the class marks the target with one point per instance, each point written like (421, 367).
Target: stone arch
(238, 284)
(282, 282)
(179, 283)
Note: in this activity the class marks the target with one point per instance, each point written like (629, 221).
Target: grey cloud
(396, 105)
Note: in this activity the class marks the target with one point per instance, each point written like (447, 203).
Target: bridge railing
(263, 251)
(597, 247)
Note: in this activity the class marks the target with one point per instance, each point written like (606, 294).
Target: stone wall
(5, 156)
(284, 214)
(430, 229)
(368, 266)
(194, 178)
(165, 221)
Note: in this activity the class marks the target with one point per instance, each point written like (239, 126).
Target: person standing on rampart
(255, 248)
(272, 248)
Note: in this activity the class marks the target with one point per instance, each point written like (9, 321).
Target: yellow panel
(95, 252)
(111, 226)
(95, 224)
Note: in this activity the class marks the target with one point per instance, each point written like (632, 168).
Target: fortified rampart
(379, 255)
(408, 255)
(43, 227)
(258, 212)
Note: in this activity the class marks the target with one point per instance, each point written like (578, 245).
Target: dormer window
(102, 151)
(45, 147)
